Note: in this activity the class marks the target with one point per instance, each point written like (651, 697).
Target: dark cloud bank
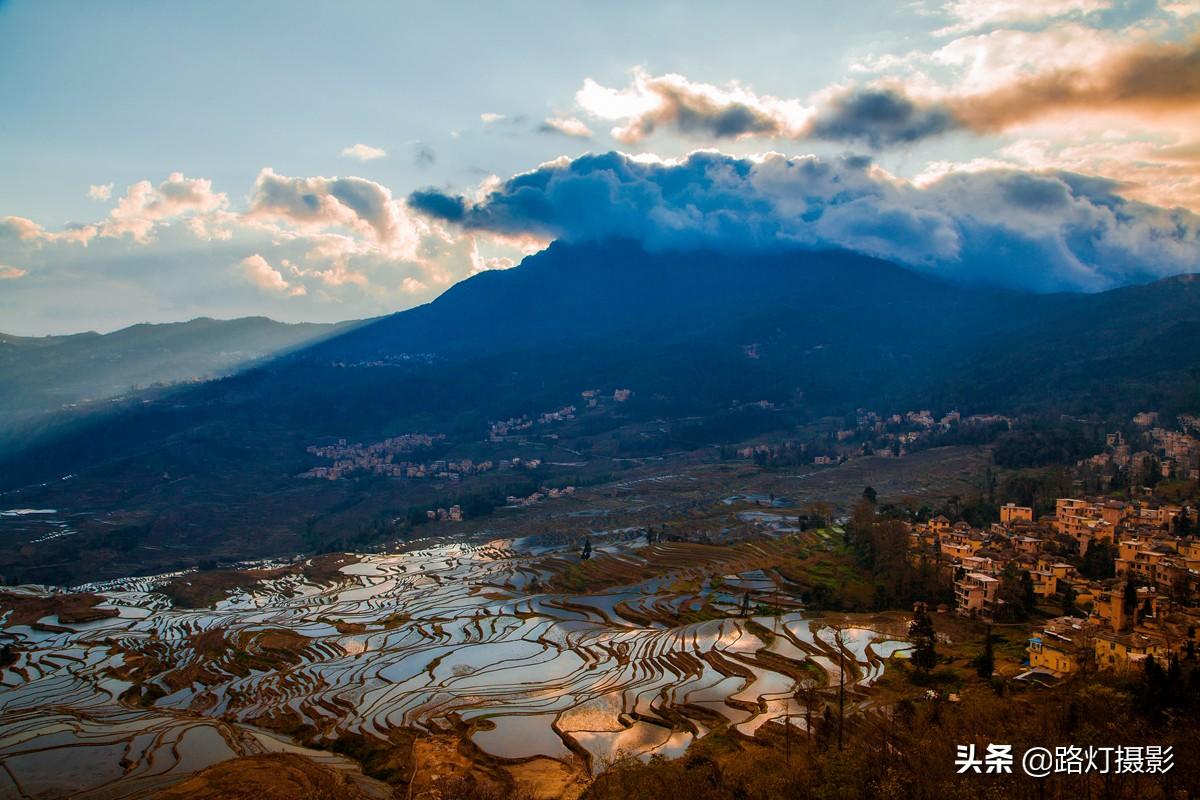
(1039, 231)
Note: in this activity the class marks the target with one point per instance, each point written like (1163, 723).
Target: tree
(1027, 592)
(819, 510)
(1068, 601)
(587, 550)
(1014, 594)
(860, 530)
(871, 495)
(1129, 602)
(1183, 523)
(1099, 561)
(985, 662)
(924, 638)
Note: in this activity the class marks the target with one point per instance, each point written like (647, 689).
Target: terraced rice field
(457, 639)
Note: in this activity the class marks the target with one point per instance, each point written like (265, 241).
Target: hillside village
(1125, 573)
(870, 433)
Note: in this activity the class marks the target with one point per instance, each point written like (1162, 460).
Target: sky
(320, 162)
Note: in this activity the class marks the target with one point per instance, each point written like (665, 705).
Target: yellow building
(1120, 651)
(1087, 521)
(1061, 646)
(1011, 512)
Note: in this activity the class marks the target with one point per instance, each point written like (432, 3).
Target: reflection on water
(441, 639)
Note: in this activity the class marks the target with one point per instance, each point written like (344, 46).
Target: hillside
(42, 374)
(716, 348)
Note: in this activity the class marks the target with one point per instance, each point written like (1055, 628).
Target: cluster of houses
(1161, 453)
(1146, 608)
(387, 458)
(897, 435)
(385, 465)
(542, 494)
(499, 431)
(887, 436)
(593, 398)
(451, 514)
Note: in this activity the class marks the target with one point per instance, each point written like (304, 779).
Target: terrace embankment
(513, 668)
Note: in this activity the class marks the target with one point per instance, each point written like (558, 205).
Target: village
(1123, 573)
(869, 433)
(384, 458)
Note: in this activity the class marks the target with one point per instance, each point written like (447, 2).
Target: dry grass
(276, 776)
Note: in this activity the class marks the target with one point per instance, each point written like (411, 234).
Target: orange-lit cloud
(1153, 78)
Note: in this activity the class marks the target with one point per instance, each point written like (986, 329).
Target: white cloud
(567, 126)
(488, 117)
(101, 192)
(1071, 231)
(412, 285)
(364, 152)
(260, 273)
(26, 230)
(8, 273)
(976, 14)
(145, 206)
(653, 102)
(319, 204)
(1182, 9)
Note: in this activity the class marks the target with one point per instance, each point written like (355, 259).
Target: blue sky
(192, 102)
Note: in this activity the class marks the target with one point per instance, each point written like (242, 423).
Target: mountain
(716, 347)
(42, 374)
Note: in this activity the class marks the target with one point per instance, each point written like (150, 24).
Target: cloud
(317, 204)
(423, 155)
(1183, 8)
(1152, 78)
(364, 152)
(345, 243)
(20, 228)
(1146, 78)
(260, 273)
(146, 206)
(26, 230)
(1163, 175)
(976, 14)
(101, 192)
(672, 101)
(489, 117)
(8, 273)
(138, 214)
(879, 117)
(567, 126)
(438, 204)
(1036, 230)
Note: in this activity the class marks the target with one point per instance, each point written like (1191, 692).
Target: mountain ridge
(715, 348)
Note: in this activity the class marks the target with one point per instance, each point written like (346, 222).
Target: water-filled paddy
(443, 639)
